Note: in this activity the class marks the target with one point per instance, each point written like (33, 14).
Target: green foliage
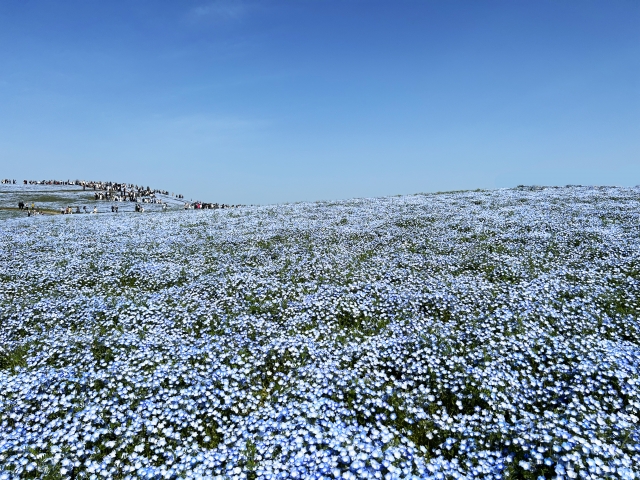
(14, 357)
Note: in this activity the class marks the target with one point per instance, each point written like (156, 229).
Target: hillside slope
(474, 334)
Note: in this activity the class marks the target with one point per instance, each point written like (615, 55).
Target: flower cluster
(460, 335)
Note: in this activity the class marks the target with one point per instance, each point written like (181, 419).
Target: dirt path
(46, 211)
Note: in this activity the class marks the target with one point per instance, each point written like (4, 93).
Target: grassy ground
(23, 212)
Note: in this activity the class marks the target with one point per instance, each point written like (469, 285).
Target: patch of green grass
(14, 357)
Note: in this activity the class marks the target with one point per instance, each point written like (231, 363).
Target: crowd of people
(69, 210)
(48, 182)
(124, 196)
(201, 206)
(31, 210)
(116, 192)
(123, 190)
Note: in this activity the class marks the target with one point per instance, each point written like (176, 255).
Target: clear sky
(269, 101)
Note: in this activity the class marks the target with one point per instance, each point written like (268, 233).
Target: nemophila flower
(477, 334)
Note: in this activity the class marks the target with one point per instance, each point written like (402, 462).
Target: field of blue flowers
(55, 197)
(461, 335)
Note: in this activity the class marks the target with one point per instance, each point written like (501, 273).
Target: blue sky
(264, 102)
